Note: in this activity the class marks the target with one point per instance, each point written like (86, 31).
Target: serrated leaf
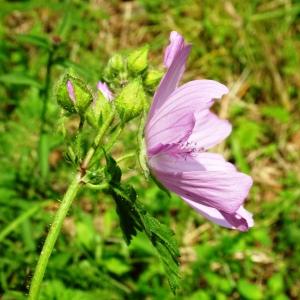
(171, 265)
(162, 239)
(112, 171)
(134, 218)
(130, 219)
(160, 186)
(162, 232)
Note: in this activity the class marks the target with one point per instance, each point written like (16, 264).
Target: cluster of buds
(123, 68)
(130, 78)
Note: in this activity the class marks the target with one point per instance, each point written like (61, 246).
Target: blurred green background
(251, 46)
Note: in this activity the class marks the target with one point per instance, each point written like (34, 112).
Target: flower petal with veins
(179, 130)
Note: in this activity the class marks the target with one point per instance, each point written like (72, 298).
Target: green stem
(62, 212)
(114, 138)
(126, 156)
(142, 147)
(98, 139)
(43, 140)
(97, 187)
(52, 237)
(81, 123)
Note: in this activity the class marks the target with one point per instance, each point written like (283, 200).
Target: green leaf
(36, 40)
(160, 186)
(200, 295)
(276, 112)
(19, 79)
(276, 284)
(130, 219)
(277, 297)
(249, 290)
(116, 266)
(134, 218)
(112, 171)
(85, 234)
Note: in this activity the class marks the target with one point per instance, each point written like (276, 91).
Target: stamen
(190, 147)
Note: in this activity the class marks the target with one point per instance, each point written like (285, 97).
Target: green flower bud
(65, 95)
(131, 100)
(137, 60)
(83, 96)
(91, 117)
(116, 63)
(98, 111)
(73, 95)
(153, 78)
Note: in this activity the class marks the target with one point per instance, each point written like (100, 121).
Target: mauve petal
(211, 181)
(173, 121)
(176, 44)
(172, 129)
(104, 89)
(194, 162)
(237, 221)
(209, 130)
(71, 91)
(170, 80)
(212, 214)
(196, 94)
(171, 149)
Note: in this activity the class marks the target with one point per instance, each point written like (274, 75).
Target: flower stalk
(98, 139)
(61, 213)
(52, 237)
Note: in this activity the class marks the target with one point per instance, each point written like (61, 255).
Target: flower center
(190, 147)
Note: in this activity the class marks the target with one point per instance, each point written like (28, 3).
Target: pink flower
(179, 131)
(104, 89)
(176, 44)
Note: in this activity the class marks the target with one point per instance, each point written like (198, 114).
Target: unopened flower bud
(101, 107)
(131, 100)
(104, 89)
(73, 95)
(116, 63)
(70, 89)
(137, 60)
(153, 77)
(65, 95)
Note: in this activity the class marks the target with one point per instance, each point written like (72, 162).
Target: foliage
(134, 218)
(251, 46)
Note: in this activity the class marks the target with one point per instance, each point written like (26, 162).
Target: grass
(253, 47)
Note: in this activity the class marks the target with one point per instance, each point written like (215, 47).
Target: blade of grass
(19, 220)
(278, 13)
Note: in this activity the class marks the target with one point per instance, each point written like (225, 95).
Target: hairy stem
(99, 137)
(62, 212)
(126, 156)
(52, 237)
